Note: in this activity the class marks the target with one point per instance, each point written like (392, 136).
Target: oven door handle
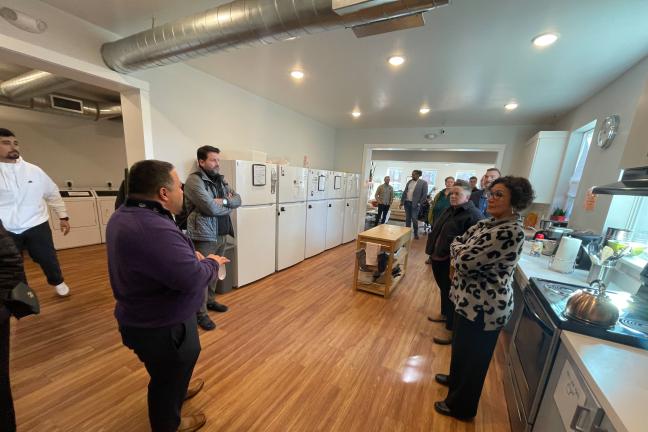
(538, 320)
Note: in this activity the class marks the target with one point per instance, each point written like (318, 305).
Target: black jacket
(11, 263)
(453, 222)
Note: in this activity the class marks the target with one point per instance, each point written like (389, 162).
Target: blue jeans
(411, 216)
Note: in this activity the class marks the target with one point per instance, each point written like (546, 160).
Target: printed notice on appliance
(568, 394)
(337, 183)
(258, 175)
(321, 183)
(79, 194)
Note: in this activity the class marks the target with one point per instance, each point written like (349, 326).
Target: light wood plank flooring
(298, 351)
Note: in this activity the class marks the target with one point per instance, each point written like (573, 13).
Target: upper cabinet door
(541, 162)
(635, 153)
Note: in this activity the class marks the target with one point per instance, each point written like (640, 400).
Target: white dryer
(105, 207)
(81, 207)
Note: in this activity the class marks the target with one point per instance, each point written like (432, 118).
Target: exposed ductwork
(68, 105)
(257, 22)
(33, 83)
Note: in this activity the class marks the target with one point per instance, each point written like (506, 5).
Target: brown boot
(194, 388)
(445, 338)
(192, 423)
(437, 318)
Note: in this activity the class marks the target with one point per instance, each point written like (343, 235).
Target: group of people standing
(474, 246)
(163, 280)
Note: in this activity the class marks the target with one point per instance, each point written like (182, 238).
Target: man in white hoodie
(25, 193)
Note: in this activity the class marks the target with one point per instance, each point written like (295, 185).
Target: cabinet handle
(573, 425)
(329, 205)
(310, 206)
(283, 208)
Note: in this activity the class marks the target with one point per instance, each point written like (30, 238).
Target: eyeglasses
(494, 194)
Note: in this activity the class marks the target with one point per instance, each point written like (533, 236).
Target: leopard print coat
(484, 259)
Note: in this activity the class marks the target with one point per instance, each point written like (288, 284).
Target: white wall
(602, 166)
(190, 108)
(87, 152)
(350, 142)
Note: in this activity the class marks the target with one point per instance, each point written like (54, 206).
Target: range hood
(634, 181)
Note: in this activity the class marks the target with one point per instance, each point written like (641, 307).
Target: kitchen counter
(617, 375)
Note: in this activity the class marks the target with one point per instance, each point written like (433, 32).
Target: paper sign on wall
(258, 175)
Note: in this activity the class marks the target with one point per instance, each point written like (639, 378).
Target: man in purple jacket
(158, 281)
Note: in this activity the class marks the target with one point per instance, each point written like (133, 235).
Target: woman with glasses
(483, 260)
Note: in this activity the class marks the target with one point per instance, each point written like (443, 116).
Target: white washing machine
(81, 206)
(105, 207)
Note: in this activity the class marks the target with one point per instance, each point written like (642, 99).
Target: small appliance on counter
(583, 262)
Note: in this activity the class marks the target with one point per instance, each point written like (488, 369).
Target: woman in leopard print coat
(484, 260)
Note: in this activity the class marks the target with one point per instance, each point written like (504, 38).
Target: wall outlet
(69, 183)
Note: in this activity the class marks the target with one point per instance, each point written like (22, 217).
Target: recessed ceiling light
(511, 106)
(545, 39)
(396, 60)
(356, 113)
(424, 110)
(297, 74)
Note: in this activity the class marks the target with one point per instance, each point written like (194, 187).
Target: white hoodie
(25, 192)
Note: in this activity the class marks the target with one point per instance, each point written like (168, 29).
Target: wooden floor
(298, 351)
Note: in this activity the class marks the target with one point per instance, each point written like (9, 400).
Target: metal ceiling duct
(32, 83)
(68, 105)
(250, 23)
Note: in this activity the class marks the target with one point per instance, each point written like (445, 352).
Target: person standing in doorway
(473, 184)
(385, 197)
(480, 197)
(413, 197)
(158, 280)
(25, 193)
(209, 202)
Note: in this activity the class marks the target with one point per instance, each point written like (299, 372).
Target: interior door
(291, 234)
(334, 222)
(315, 228)
(255, 242)
(350, 230)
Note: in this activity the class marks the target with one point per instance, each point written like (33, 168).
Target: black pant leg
(38, 242)
(472, 350)
(7, 414)
(441, 271)
(384, 215)
(169, 355)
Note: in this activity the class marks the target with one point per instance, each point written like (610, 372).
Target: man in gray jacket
(414, 195)
(209, 201)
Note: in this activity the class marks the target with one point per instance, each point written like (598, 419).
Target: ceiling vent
(244, 23)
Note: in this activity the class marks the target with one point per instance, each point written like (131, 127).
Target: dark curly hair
(522, 193)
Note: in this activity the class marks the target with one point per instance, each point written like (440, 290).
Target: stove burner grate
(558, 289)
(635, 324)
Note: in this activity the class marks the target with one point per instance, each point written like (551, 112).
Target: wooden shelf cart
(395, 240)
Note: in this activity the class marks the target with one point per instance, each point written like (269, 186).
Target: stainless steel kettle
(592, 306)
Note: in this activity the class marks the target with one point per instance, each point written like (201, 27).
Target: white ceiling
(470, 59)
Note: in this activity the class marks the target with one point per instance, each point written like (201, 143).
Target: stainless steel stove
(630, 329)
(536, 339)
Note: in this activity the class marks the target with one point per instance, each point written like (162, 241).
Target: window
(430, 177)
(465, 175)
(638, 223)
(575, 178)
(397, 178)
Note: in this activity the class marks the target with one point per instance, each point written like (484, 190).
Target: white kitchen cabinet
(540, 162)
(635, 153)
